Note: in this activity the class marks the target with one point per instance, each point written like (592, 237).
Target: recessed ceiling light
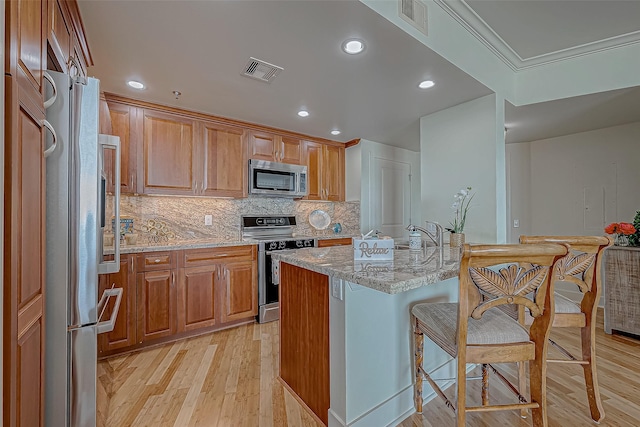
(136, 85)
(353, 46)
(335, 132)
(303, 113)
(426, 84)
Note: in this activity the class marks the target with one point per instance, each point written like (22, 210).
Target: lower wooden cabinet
(335, 242)
(176, 293)
(124, 331)
(156, 305)
(239, 290)
(197, 297)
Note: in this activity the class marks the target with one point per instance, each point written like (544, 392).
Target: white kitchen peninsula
(346, 342)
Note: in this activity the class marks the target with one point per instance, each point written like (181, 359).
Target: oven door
(268, 309)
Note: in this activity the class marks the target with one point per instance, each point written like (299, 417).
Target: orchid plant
(462, 199)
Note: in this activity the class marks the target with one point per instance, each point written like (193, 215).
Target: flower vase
(621, 240)
(456, 240)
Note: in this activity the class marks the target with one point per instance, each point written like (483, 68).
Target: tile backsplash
(184, 216)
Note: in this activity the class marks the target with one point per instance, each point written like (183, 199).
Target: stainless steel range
(272, 233)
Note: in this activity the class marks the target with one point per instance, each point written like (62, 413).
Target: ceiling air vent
(261, 70)
(415, 13)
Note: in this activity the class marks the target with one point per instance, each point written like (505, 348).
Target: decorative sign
(375, 269)
(373, 249)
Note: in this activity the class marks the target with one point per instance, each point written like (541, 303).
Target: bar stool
(491, 276)
(583, 267)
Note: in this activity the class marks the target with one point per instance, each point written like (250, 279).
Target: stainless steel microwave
(277, 179)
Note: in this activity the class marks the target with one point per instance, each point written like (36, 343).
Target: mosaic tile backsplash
(184, 216)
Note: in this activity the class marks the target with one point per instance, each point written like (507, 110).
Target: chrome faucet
(435, 238)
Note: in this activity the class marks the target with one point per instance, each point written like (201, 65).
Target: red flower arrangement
(624, 228)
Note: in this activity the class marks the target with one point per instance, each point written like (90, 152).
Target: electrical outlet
(431, 227)
(208, 220)
(516, 223)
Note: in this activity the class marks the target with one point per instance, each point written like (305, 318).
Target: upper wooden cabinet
(168, 154)
(275, 148)
(325, 166)
(60, 35)
(123, 121)
(224, 161)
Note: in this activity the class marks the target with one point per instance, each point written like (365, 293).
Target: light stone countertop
(406, 272)
(176, 245)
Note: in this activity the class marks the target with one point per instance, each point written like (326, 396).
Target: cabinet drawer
(197, 257)
(334, 242)
(156, 261)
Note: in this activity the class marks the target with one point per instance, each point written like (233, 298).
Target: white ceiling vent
(261, 70)
(415, 13)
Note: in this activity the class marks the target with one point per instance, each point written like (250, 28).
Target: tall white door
(390, 201)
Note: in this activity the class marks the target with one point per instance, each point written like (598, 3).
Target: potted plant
(462, 200)
(622, 231)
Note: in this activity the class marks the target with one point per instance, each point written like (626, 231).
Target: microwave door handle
(113, 143)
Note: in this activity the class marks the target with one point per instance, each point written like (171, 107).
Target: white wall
(359, 178)
(518, 190)
(583, 181)
(464, 146)
(575, 184)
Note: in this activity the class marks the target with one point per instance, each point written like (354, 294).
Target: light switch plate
(516, 223)
(208, 220)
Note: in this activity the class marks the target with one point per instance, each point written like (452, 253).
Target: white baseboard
(395, 409)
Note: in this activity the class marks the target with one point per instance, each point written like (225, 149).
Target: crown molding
(462, 13)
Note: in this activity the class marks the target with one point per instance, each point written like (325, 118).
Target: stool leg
(590, 375)
(522, 384)
(419, 342)
(485, 385)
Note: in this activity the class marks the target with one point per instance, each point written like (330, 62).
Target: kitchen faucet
(435, 238)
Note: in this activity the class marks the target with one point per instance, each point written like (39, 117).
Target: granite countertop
(175, 245)
(407, 271)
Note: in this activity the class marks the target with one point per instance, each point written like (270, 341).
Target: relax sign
(373, 250)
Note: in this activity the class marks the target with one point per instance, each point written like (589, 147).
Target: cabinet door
(60, 32)
(225, 161)
(239, 290)
(197, 300)
(123, 125)
(156, 305)
(124, 332)
(333, 173)
(26, 53)
(290, 150)
(313, 155)
(24, 256)
(168, 154)
(263, 146)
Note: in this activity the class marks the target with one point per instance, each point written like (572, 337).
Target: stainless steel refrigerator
(76, 199)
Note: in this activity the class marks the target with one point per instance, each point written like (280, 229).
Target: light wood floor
(229, 379)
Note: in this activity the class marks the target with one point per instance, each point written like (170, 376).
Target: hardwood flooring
(229, 378)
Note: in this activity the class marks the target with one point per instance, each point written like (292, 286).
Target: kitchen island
(346, 341)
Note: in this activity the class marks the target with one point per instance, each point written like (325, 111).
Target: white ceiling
(200, 47)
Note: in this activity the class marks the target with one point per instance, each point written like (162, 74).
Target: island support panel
(304, 336)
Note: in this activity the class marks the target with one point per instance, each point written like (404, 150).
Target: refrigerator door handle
(108, 325)
(54, 144)
(104, 267)
(49, 102)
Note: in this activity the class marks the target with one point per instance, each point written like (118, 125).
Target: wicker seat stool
(475, 331)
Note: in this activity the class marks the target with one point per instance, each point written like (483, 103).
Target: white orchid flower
(455, 206)
(464, 192)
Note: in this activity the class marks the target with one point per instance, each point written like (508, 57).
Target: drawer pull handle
(157, 261)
